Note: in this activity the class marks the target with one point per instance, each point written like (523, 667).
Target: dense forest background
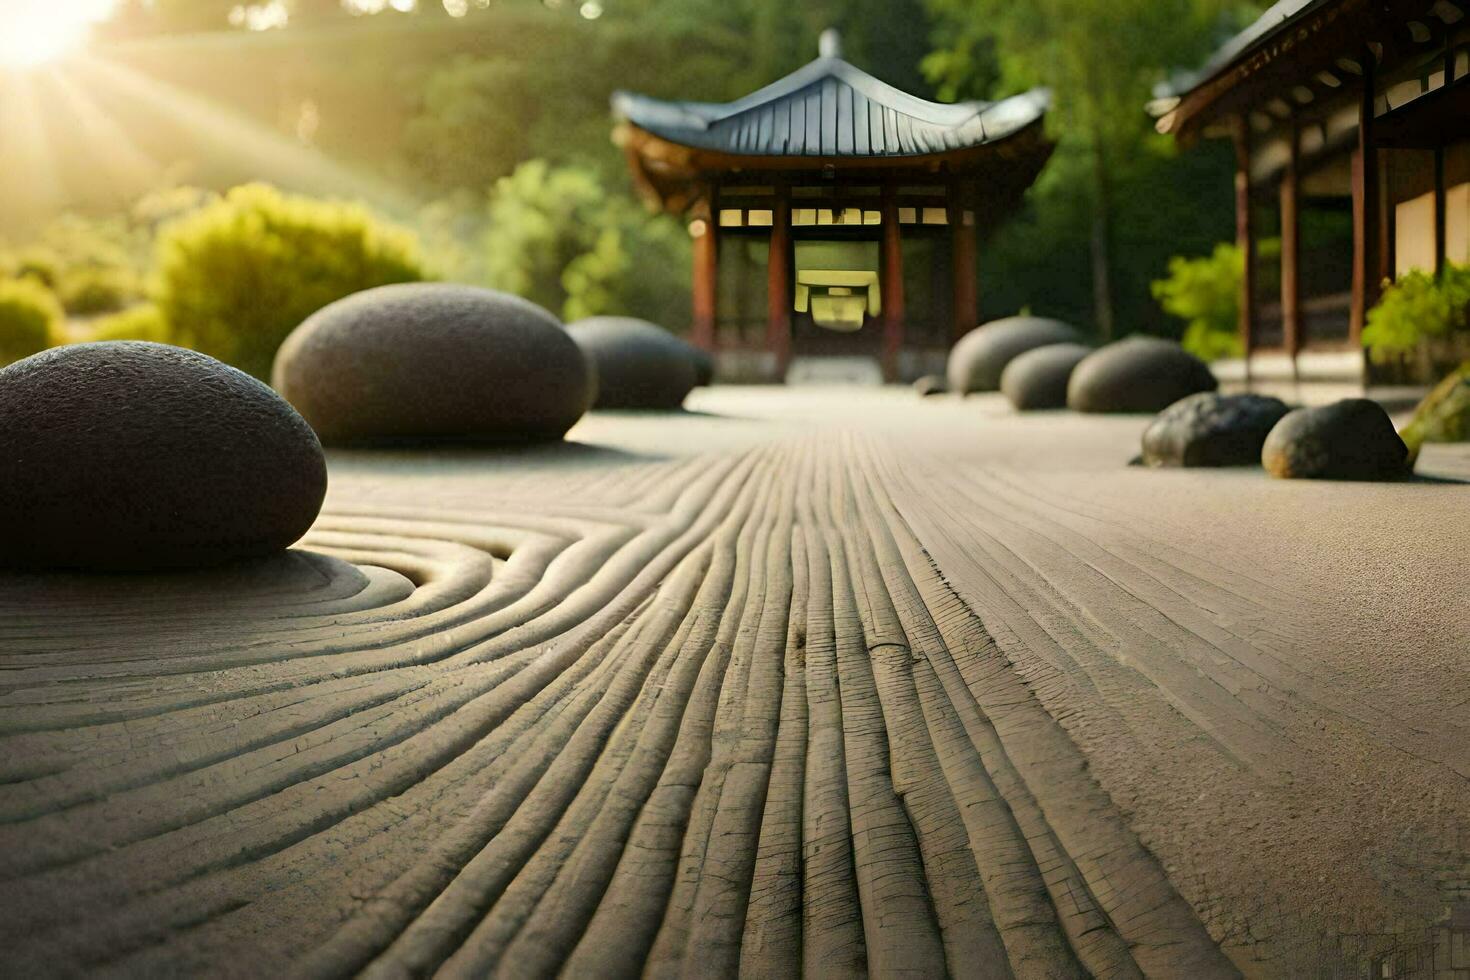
(423, 109)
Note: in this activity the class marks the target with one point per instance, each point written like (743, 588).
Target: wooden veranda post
(1367, 220)
(778, 283)
(1245, 237)
(962, 249)
(891, 288)
(706, 278)
(1291, 316)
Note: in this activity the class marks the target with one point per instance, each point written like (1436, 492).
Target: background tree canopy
(431, 114)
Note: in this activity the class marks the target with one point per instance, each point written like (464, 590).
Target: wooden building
(1351, 126)
(832, 214)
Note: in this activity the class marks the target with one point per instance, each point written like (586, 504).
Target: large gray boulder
(1211, 429)
(1038, 378)
(979, 357)
(639, 364)
(430, 361)
(1139, 374)
(135, 456)
(1353, 439)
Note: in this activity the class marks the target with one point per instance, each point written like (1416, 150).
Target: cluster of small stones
(1041, 364)
(140, 457)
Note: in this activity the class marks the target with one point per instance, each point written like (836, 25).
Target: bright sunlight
(35, 32)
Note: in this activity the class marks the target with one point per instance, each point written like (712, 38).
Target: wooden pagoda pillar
(1245, 238)
(1368, 245)
(1291, 317)
(891, 283)
(778, 283)
(965, 303)
(706, 279)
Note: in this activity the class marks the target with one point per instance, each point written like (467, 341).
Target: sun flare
(37, 32)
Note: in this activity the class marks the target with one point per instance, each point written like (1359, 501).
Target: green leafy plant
(1444, 414)
(1205, 293)
(234, 277)
(91, 290)
(1418, 310)
(556, 236)
(30, 316)
(142, 322)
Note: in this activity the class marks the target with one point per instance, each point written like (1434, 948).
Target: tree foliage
(236, 276)
(559, 238)
(1418, 310)
(30, 318)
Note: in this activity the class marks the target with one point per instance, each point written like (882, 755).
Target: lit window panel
(935, 216)
(908, 216)
(872, 218)
(824, 217)
(730, 218)
(852, 216)
(803, 216)
(759, 219)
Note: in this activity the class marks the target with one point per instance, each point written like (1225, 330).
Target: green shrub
(30, 317)
(37, 263)
(1416, 310)
(143, 322)
(1443, 415)
(234, 277)
(559, 238)
(88, 291)
(1205, 293)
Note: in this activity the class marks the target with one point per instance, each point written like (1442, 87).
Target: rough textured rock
(427, 361)
(1139, 374)
(977, 360)
(1210, 429)
(639, 364)
(930, 384)
(134, 456)
(1443, 415)
(1038, 378)
(1353, 439)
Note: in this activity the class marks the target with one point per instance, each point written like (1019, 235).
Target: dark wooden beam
(778, 282)
(1245, 237)
(891, 271)
(1439, 211)
(1368, 245)
(966, 304)
(706, 275)
(1291, 320)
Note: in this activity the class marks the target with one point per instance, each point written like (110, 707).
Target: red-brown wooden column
(962, 253)
(706, 279)
(1245, 238)
(778, 283)
(1368, 245)
(1291, 317)
(891, 286)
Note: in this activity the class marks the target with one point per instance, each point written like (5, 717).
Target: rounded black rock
(1353, 439)
(1139, 374)
(639, 364)
(1211, 429)
(979, 357)
(433, 361)
(1038, 378)
(135, 456)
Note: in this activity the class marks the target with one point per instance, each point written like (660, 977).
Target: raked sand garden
(814, 681)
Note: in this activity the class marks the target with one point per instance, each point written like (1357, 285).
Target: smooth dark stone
(1353, 439)
(930, 384)
(1139, 374)
(135, 456)
(979, 357)
(1210, 429)
(639, 364)
(704, 365)
(431, 361)
(1038, 378)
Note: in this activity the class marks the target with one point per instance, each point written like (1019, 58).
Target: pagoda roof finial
(829, 45)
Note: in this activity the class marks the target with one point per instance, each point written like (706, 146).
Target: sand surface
(822, 682)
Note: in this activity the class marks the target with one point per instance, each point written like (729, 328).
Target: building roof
(829, 108)
(1279, 16)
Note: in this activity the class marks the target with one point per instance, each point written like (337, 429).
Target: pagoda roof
(832, 109)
